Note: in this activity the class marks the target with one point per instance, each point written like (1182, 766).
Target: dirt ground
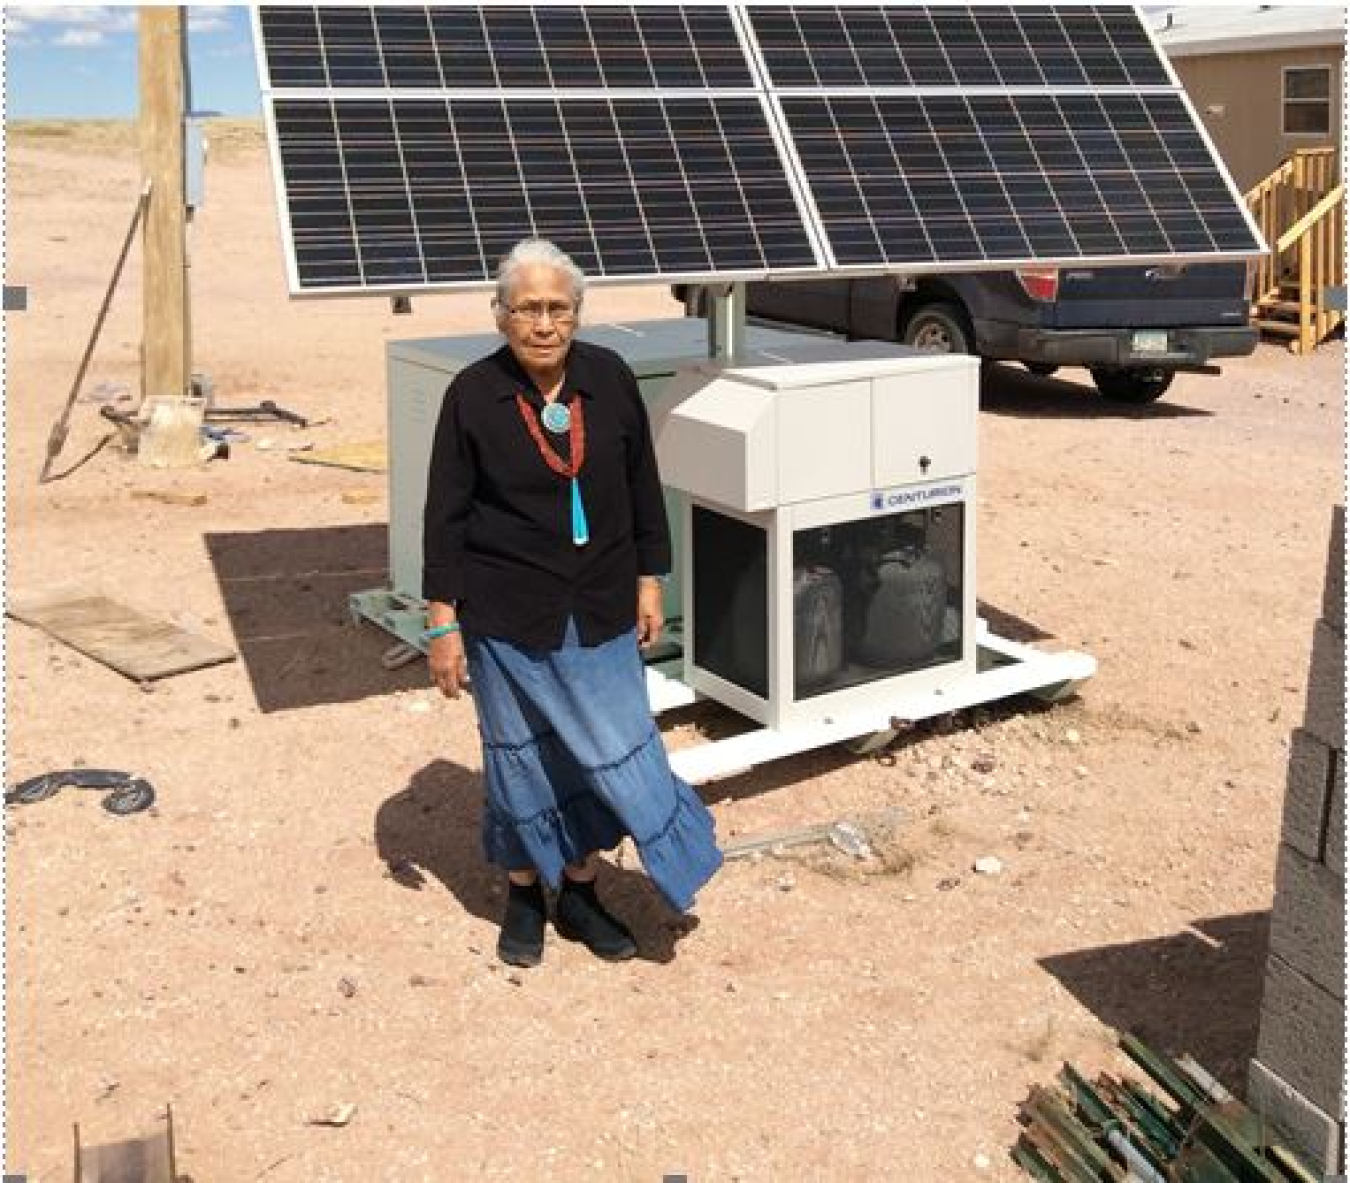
(304, 920)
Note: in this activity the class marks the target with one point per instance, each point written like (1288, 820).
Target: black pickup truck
(1132, 327)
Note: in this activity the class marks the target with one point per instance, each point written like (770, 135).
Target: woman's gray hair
(536, 252)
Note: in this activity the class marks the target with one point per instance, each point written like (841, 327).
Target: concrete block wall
(1297, 1078)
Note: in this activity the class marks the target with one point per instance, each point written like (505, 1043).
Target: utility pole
(166, 354)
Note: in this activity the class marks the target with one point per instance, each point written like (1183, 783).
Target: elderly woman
(545, 539)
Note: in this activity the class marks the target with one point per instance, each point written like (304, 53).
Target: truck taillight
(1040, 283)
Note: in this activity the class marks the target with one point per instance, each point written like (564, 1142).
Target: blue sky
(73, 61)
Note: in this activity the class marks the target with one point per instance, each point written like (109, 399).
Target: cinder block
(1325, 716)
(1302, 1035)
(1333, 592)
(1335, 846)
(1305, 1127)
(1307, 926)
(1305, 794)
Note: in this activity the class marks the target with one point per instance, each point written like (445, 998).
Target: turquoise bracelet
(440, 630)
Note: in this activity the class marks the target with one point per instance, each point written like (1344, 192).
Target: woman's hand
(449, 666)
(650, 619)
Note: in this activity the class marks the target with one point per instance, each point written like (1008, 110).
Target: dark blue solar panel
(913, 45)
(467, 47)
(922, 179)
(407, 192)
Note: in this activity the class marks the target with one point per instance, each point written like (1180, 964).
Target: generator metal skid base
(403, 616)
(1004, 668)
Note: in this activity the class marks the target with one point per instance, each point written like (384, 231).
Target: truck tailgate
(1143, 297)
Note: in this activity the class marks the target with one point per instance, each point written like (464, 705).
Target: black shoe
(579, 916)
(522, 937)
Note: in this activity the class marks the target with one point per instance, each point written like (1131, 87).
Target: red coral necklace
(576, 437)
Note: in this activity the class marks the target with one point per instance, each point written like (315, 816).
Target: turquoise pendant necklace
(575, 426)
(557, 418)
(581, 532)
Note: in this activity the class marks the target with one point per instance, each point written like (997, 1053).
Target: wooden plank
(135, 645)
(366, 456)
(169, 496)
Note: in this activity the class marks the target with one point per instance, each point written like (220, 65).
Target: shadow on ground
(1015, 392)
(713, 722)
(428, 833)
(285, 593)
(1196, 991)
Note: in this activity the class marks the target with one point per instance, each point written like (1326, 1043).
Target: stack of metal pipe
(1118, 1131)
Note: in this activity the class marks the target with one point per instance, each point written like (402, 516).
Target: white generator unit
(830, 527)
(828, 566)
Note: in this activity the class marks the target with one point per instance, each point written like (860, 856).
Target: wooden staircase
(1300, 209)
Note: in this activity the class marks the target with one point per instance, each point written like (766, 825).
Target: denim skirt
(573, 762)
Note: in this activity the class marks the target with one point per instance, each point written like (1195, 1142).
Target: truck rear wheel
(939, 328)
(1133, 385)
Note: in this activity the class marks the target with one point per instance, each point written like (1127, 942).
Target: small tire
(939, 328)
(1136, 386)
(1042, 369)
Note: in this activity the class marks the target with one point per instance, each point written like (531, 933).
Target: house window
(1307, 100)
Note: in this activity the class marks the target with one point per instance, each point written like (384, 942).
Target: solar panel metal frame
(769, 97)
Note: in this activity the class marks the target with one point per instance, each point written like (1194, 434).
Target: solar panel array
(415, 145)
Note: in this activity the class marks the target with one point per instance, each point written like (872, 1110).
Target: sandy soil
(305, 921)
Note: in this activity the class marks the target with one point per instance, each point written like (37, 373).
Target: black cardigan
(497, 537)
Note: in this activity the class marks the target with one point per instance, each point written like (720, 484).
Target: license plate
(1150, 341)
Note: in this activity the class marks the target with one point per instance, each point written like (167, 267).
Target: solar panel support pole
(726, 322)
(165, 350)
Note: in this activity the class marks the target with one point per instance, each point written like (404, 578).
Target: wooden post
(1304, 294)
(165, 348)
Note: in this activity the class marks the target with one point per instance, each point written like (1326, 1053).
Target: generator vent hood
(751, 438)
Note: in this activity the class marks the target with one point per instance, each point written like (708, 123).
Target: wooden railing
(1300, 210)
(1319, 238)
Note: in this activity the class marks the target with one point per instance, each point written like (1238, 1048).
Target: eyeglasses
(532, 313)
